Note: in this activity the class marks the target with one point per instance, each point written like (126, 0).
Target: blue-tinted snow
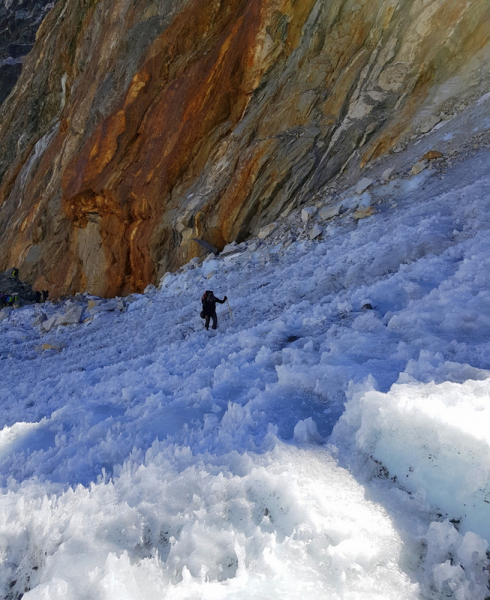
(148, 458)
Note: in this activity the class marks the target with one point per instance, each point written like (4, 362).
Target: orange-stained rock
(138, 126)
(432, 155)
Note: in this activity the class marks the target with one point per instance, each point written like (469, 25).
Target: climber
(209, 308)
(45, 295)
(38, 296)
(15, 273)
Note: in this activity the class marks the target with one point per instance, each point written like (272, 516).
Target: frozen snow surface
(330, 440)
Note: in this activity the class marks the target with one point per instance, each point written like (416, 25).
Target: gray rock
(71, 317)
(363, 212)
(266, 231)
(387, 174)
(363, 185)
(316, 231)
(50, 323)
(231, 247)
(106, 307)
(41, 317)
(418, 167)
(328, 212)
(307, 213)
(430, 122)
(58, 346)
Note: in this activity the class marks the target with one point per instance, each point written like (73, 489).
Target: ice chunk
(306, 432)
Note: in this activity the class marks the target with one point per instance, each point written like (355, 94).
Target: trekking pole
(229, 308)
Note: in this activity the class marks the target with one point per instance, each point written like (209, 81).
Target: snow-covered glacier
(330, 440)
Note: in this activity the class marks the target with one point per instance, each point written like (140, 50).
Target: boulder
(432, 155)
(47, 325)
(430, 122)
(363, 185)
(57, 346)
(71, 317)
(105, 307)
(307, 213)
(328, 212)
(418, 167)
(387, 174)
(316, 231)
(364, 212)
(41, 317)
(266, 231)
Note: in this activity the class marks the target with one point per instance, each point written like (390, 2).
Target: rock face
(138, 126)
(19, 21)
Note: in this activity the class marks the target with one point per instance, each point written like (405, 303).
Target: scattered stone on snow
(316, 231)
(47, 325)
(363, 185)
(363, 212)
(418, 167)
(266, 231)
(328, 212)
(41, 317)
(432, 155)
(387, 174)
(230, 256)
(58, 346)
(430, 122)
(106, 307)
(307, 213)
(93, 303)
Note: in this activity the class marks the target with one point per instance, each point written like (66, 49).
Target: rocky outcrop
(137, 127)
(19, 21)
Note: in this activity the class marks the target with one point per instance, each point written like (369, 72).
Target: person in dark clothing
(209, 308)
(15, 273)
(45, 295)
(38, 296)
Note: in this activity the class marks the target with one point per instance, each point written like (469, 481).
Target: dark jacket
(209, 303)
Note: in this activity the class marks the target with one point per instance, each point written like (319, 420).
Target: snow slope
(144, 457)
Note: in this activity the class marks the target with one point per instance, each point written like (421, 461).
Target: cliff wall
(19, 21)
(137, 126)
